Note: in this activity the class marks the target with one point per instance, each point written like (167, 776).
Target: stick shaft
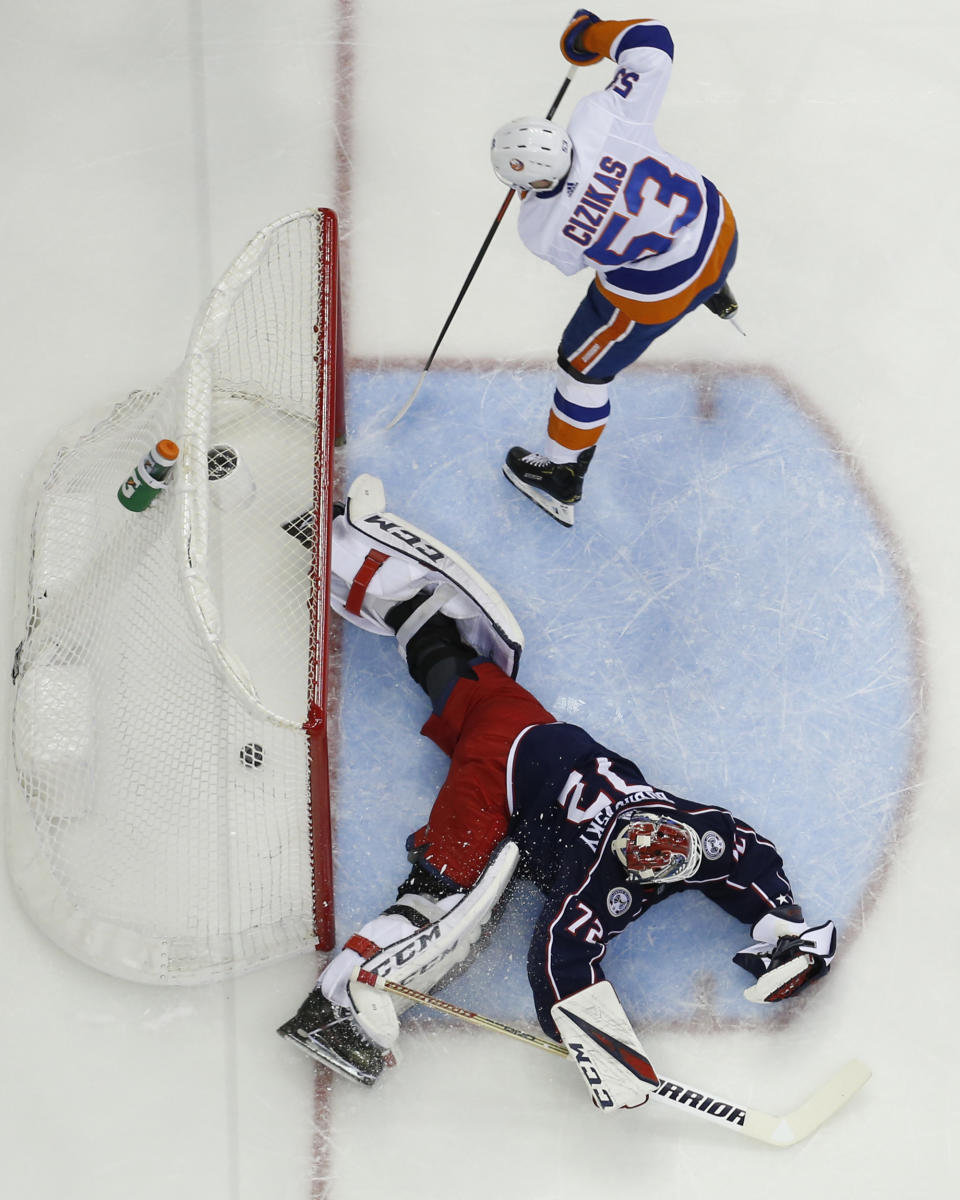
(469, 279)
(560, 95)
(464, 1014)
(490, 233)
(479, 259)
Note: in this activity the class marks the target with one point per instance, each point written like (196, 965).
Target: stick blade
(403, 411)
(811, 1114)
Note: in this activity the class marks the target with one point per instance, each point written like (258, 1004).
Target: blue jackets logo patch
(713, 845)
(618, 901)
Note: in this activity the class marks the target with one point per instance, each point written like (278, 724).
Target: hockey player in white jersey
(603, 195)
(524, 792)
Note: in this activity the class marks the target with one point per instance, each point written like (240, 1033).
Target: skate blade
(323, 1055)
(563, 513)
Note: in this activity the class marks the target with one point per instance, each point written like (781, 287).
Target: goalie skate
(329, 1034)
(430, 951)
(378, 560)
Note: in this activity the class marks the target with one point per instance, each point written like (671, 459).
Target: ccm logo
(601, 1097)
(407, 537)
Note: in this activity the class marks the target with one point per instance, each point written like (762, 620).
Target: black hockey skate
(329, 1034)
(723, 303)
(556, 487)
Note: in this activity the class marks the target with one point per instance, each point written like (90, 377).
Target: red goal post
(331, 430)
(169, 815)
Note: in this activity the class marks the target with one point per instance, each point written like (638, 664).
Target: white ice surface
(143, 145)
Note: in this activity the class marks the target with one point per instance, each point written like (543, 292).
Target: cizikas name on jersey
(594, 205)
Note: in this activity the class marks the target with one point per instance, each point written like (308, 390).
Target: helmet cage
(655, 849)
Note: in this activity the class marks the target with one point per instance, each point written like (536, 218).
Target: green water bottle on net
(149, 478)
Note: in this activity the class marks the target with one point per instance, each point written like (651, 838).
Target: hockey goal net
(169, 816)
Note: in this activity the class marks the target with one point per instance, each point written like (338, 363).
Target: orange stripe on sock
(570, 436)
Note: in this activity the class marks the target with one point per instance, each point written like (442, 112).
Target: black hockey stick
(774, 1130)
(476, 262)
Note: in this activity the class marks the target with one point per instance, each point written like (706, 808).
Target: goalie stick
(769, 1128)
(476, 262)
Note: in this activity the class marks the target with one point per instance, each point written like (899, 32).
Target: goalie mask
(531, 154)
(656, 849)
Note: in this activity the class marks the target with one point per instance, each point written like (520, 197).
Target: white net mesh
(159, 822)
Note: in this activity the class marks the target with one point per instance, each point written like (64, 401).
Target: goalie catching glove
(787, 955)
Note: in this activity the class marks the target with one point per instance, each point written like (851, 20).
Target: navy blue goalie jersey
(568, 796)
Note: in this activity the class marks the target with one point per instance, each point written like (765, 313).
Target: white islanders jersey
(653, 228)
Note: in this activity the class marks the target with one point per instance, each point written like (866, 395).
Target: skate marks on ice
(729, 611)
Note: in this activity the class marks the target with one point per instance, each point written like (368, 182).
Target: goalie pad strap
(361, 581)
(362, 946)
(423, 612)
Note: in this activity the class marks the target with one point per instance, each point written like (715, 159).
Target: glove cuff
(580, 22)
(778, 923)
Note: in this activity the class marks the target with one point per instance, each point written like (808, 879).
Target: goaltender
(524, 794)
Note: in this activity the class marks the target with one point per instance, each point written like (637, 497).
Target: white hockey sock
(559, 454)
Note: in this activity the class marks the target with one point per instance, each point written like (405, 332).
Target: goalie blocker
(603, 1046)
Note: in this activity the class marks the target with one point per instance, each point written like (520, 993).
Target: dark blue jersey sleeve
(752, 881)
(589, 904)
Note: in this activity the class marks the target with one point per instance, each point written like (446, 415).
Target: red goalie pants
(477, 727)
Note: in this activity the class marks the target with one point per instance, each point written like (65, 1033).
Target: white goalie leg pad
(374, 1012)
(378, 560)
(423, 958)
(605, 1048)
(387, 929)
(365, 580)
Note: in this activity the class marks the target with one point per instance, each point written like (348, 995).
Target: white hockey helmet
(531, 154)
(653, 848)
